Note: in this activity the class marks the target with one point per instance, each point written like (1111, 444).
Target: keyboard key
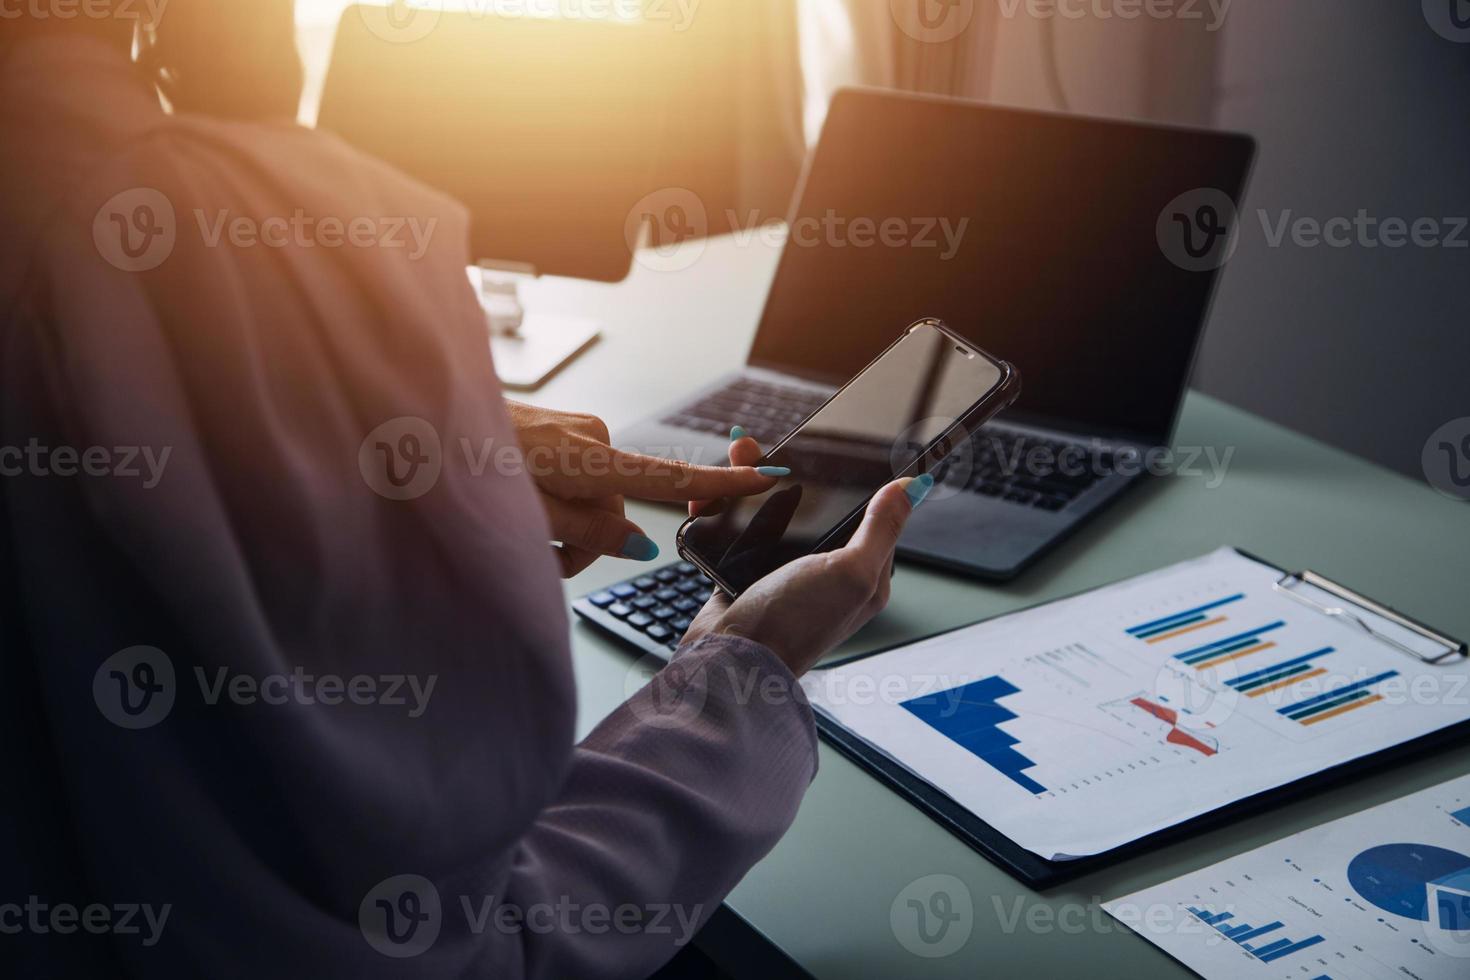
(664, 613)
(666, 595)
(686, 605)
(681, 625)
(645, 583)
(644, 603)
(660, 633)
(690, 586)
(666, 575)
(640, 620)
(621, 611)
(684, 568)
(623, 591)
(602, 599)
(1049, 503)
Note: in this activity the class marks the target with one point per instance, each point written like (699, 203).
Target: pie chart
(1415, 881)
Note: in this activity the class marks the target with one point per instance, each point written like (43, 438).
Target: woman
(197, 659)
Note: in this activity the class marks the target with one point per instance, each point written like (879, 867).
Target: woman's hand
(806, 609)
(583, 482)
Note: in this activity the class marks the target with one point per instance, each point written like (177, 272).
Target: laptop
(1085, 251)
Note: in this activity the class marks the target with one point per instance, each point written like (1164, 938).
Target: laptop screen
(1042, 238)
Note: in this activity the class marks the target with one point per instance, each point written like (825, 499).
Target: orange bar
(1286, 683)
(1235, 656)
(1188, 629)
(1337, 711)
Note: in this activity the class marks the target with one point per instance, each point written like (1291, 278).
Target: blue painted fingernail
(773, 471)
(918, 489)
(738, 433)
(640, 547)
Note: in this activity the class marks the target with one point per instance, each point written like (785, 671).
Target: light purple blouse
(311, 839)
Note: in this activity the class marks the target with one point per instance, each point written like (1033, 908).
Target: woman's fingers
(876, 538)
(744, 451)
(598, 529)
(651, 478)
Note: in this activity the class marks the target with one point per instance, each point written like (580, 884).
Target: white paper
(1114, 736)
(1383, 893)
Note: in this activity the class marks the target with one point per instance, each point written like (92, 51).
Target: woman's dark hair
(230, 58)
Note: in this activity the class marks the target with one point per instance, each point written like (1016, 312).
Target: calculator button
(619, 610)
(659, 632)
(602, 599)
(644, 603)
(640, 620)
(645, 584)
(664, 612)
(623, 591)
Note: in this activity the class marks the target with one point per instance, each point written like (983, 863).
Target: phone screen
(871, 432)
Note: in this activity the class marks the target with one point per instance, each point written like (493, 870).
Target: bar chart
(1249, 937)
(971, 716)
(1337, 702)
(1231, 648)
(1267, 680)
(1187, 621)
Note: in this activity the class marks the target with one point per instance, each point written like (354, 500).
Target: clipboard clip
(1289, 583)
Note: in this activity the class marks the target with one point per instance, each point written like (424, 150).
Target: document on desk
(1082, 725)
(1383, 893)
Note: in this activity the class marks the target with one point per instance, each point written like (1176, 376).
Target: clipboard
(1307, 587)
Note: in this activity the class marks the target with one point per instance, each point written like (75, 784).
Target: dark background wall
(1358, 104)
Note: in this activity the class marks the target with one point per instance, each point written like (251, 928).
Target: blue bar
(1319, 709)
(1215, 920)
(1462, 815)
(1176, 624)
(1247, 678)
(1188, 612)
(1269, 947)
(1210, 649)
(1287, 951)
(1290, 710)
(1257, 932)
(1235, 931)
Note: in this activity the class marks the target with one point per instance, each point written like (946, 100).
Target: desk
(823, 896)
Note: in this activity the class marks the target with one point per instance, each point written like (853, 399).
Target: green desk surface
(824, 895)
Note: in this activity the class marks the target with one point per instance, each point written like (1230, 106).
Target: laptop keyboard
(652, 611)
(1003, 464)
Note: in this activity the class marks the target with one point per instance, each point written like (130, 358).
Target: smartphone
(901, 416)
